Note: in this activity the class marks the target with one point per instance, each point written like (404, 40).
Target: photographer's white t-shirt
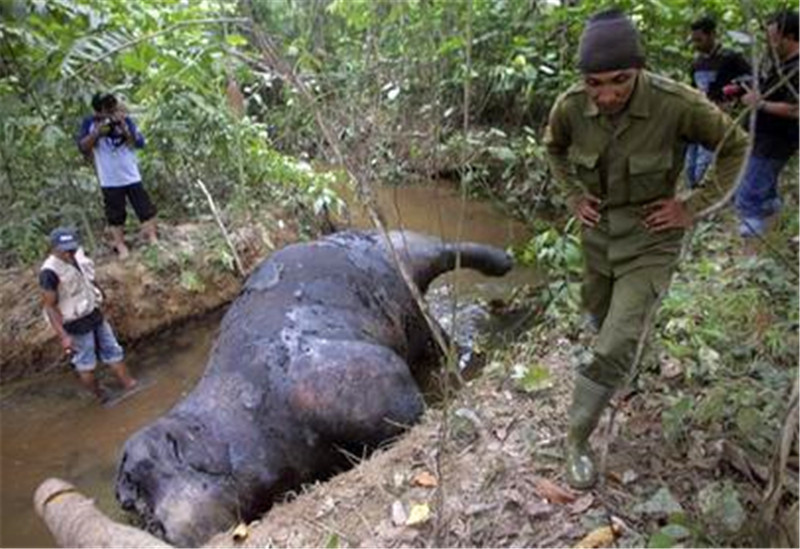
(115, 160)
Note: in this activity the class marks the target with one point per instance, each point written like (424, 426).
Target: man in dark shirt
(776, 132)
(712, 69)
(71, 305)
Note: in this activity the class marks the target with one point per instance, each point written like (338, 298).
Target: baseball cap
(64, 239)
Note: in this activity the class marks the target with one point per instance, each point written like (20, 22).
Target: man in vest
(71, 305)
(616, 142)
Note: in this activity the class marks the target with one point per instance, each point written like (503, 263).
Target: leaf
(676, 531)
(399, 515)
(552, 492)
(582, 504)
(600, 537)
(424, 479)
(532, 378)
(190, 281)
(236, 40)
(420, 513)
(131, 62)
(660, 540)
(662, 503)
(536, 509)
(333, 541)
(720, 507)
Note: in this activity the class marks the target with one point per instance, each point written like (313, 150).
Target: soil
(187, 274)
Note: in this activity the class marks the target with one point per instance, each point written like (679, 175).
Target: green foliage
(558, 256)
(392, 71)
(171, 68)
(191, 281)
(555, 252)
(731, 321)
(675, 417)
(532, 378)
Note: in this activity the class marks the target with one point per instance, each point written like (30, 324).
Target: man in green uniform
(616, 143)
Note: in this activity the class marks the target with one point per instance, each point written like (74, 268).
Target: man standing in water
(71, 304)
(616, 142)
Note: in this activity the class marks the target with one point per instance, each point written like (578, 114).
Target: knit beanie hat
(610, 42)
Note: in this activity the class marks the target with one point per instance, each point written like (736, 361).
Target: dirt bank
(189, 273)
(497, 481)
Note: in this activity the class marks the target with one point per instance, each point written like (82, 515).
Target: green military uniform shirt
(636, 160)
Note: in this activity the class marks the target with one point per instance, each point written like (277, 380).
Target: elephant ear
(353, 392)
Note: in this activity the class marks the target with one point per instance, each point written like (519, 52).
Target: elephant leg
(354, 392)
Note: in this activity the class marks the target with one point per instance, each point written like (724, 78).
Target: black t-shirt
(777, 136)
(48, 280)
(712, 72)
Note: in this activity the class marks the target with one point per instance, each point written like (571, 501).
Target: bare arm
(785, 110)
(87, 143)
(50, 303)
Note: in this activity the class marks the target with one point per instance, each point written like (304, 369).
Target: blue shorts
(757, 196)
(99, 342)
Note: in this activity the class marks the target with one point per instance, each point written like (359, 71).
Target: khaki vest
(77, 294)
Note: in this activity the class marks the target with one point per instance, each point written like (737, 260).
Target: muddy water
(440, 210)
(49, 427)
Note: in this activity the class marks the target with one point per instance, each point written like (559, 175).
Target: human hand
(751, 97)
(102, 126)
(66, 344)
(585, 208)
(667, 213)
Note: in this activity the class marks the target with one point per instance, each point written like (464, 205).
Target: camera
(110, 123)
(738, 86)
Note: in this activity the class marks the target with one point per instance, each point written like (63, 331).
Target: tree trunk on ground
(74, 521)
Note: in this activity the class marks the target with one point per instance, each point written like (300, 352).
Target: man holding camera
(776, 133)
(713, 68)
(111, 138)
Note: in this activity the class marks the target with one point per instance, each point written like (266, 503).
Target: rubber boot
(589, 399)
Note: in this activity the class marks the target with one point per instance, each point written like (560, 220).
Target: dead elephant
(318, 353)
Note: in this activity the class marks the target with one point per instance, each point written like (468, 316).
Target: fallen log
(74, 521)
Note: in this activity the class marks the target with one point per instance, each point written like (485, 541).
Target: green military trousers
(620, 306)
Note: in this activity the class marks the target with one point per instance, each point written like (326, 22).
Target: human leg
(114, 202)
(691, 165)
(596, 296)
(111, 353)
(757, 199)
(145, 211)
(703, 162)
(632, 296)
(84, 361)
